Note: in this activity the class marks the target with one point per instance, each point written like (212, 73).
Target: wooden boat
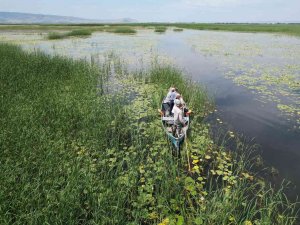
(168, 126)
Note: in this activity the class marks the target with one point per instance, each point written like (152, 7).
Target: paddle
(187, 149)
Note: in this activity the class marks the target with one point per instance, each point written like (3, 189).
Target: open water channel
(254, 78)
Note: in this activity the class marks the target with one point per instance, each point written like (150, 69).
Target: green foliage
(292, 29)
(73, 33)
(160, 29)
(177, 29)
(122, 30)
(82, 32)
(56, 35)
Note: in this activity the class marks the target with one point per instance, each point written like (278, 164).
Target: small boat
(176, 138)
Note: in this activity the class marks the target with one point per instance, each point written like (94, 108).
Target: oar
(187, 150)
(186, 143)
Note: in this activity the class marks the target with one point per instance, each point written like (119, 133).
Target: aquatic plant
(56, 35)
(177, 29)
(160, 29)
(81, 32)
(73, 33)
(122, 30)
(274, 84)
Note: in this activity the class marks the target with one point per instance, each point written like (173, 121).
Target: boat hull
(176, 141)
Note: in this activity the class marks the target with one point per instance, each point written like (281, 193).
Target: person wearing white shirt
(178, 114)
(179, 121)
(168, 102)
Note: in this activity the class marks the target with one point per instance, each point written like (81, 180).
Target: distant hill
(27, 18)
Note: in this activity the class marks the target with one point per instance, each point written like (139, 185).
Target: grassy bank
(73, 153)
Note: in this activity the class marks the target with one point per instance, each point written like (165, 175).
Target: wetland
(251, 79)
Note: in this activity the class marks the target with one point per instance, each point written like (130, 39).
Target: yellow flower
(153, 215)
(207, 157)
(165, 222)
(247, 222)
(195, 161)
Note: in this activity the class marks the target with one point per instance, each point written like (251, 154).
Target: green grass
(291, 29)
(73, 153)
(160, 29)
(177, 29)
(56, 35)
(122, 30)
(73, 33)
(82, 32)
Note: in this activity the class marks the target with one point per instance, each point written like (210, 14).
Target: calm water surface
(251, 76)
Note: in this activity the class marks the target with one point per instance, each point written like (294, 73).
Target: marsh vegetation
(160, 29)
(290, 29)
(73, 33)
(73, 151)
(122, 30)
(177, 29)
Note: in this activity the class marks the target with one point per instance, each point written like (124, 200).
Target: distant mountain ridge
(28, 18)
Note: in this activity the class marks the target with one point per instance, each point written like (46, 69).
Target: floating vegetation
(272, 73)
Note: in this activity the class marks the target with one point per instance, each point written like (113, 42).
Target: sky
(164, 10)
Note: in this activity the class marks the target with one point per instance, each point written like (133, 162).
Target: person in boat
(179, 121)
(168, 102)
(179, 96)
(185, 109)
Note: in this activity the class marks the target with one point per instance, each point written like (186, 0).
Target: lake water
(254, 78)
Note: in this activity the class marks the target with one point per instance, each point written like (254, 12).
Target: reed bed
(160, 29)
(178, 29)
(122, 30)
(73, 153)
(73, 33)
